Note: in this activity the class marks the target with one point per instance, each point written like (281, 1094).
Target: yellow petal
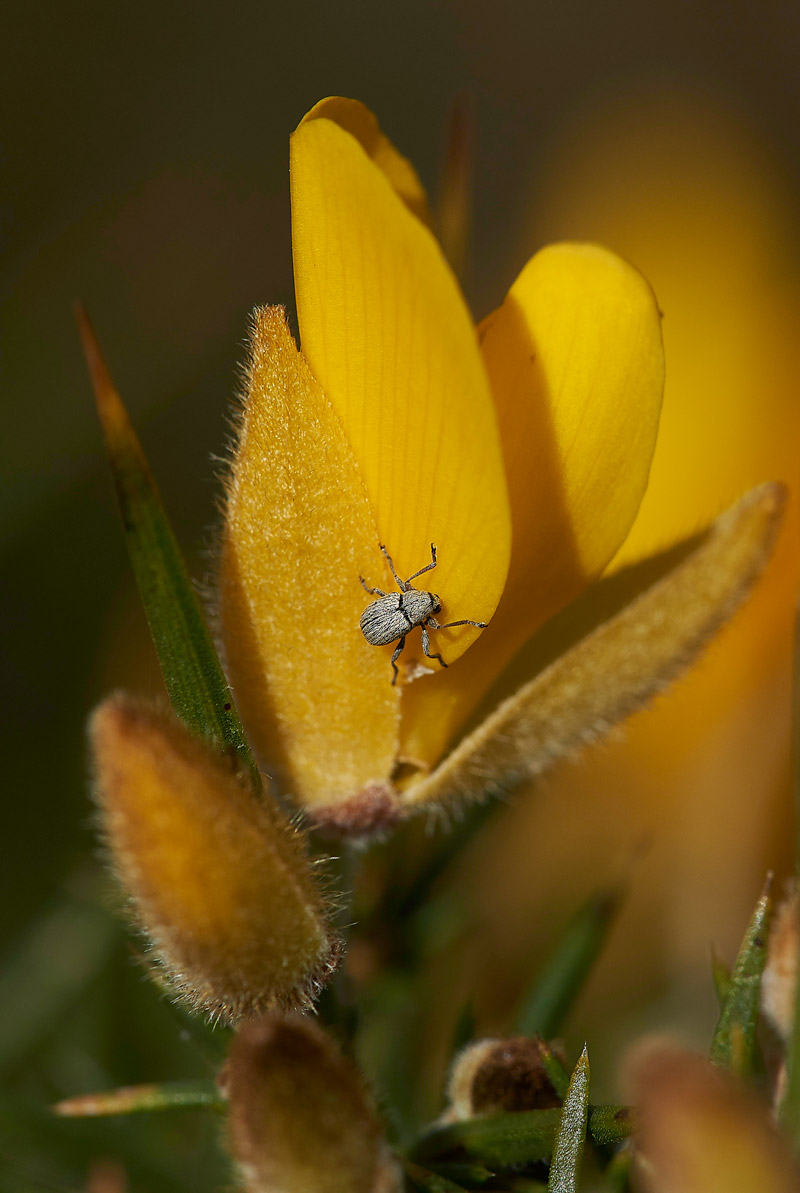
(680, 185)
(300, 1118)
(220, 879)
(388, 336)
(576, 363)
(616, 668)
(357, 120)
(315, 698)
(577, 369)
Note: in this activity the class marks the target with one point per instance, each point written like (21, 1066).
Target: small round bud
(493, 1076)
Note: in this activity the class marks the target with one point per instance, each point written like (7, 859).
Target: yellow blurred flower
(677, 183)
(522, 451)
(701, 1132)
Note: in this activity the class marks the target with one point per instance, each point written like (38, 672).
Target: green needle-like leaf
(134, 1099)
(524, 1184)
(507, 1141)
(557, 1073)
(551, 996)
(790, 1106)
(471, 1176)
(617, 1174)
(734, 1045)
(500, 1141)
(48, 970)
(565, 1167)
(430, 1182)
(721, 977)
(609, 1125)
(192, 672)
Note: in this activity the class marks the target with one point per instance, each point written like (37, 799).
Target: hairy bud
(300, 1118)
(219, 879)
(493, 1076)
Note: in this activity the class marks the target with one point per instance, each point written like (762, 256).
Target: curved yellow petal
(314, 697)
(388, 336)
(576, 363)
(357, 120)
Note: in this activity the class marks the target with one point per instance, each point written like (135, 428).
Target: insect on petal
(617, 667)
(576, 363)
(388, 335)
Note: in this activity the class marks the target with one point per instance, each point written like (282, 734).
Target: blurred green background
(143, 158)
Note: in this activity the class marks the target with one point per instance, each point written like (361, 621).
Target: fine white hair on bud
(218, 877)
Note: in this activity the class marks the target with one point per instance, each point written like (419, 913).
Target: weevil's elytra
(390, 618)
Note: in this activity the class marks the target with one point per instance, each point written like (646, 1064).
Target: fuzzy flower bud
(300, 1119)
(493, 1076)
(779, 981)
(219, 879)
(702, 1132)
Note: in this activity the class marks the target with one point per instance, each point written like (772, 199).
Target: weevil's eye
(436, 604)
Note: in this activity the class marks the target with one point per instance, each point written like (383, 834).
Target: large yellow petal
(577, 369)
(357, 119)
(388, 336)
(314, 697)
(576, 363)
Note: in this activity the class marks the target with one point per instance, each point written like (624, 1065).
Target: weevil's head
(435, 601)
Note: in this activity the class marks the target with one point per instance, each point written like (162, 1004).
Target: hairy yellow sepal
(618, 667)
(300, 1118)
(219, 879)
(314, 697)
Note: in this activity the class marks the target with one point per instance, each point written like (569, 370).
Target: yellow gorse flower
(521, 449)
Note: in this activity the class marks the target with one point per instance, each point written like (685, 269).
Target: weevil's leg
(426, 642)
(400, 583)
(448, 625)
(372, 591)
(427, 567)
(395, 657)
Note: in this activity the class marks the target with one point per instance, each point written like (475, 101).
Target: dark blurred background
(143, 159)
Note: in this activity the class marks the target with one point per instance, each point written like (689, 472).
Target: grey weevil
(392, 616)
